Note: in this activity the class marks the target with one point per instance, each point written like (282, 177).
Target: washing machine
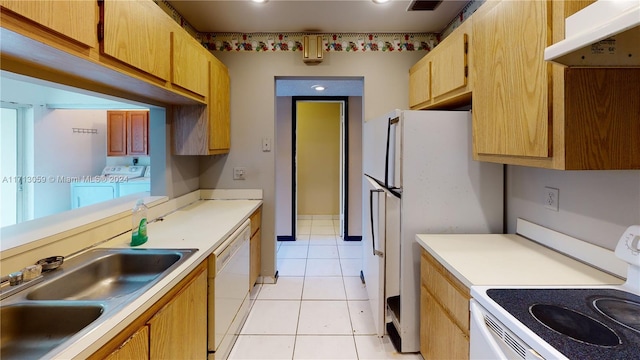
(106, 186)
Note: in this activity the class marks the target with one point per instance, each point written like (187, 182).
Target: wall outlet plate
(239, 173)
(551, 198)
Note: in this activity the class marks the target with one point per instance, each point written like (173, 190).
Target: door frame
(345, 161)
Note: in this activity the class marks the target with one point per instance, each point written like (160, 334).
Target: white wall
(60, 152)
(595, 206)
(8, 166)
(386, 86)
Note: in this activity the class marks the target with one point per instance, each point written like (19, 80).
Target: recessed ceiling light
(380, 1)
(318, 87)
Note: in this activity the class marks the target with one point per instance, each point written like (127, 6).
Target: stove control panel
(628, 248)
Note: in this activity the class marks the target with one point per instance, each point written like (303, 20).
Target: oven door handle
(373, 236)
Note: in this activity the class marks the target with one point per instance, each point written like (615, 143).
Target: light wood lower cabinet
(444, 312)
(255, 248)
(136, 347)
(444, 339)
(175, 327)
(178, 331)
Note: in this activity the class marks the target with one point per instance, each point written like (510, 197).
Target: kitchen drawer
(446, 289)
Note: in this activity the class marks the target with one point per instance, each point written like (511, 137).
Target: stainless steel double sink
(67, 303)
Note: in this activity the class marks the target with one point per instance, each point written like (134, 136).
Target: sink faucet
(28, 276)
(15, 278)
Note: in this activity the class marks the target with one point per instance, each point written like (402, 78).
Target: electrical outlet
(266, 144)
(551, 198)
(239, 173)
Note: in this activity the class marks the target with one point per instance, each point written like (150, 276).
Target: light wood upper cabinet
(219, 108)
(530, 112)
(127, 133)
(138, 33)
(75, 19)
(189, 63)
(420, 83)
(511, 95)
(205, 130)
(440, 79)
(449, 63)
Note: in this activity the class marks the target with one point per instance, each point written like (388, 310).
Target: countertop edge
(442, 261)
(93, 341)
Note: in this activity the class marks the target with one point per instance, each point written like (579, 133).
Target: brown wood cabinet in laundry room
(127, 133)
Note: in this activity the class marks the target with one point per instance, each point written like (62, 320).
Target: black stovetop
(593, 335)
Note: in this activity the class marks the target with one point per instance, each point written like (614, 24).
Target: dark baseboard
(353, 238)
(285, 238)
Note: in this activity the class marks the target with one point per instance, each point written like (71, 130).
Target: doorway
(319, 162)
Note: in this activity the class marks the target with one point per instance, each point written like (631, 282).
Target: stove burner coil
(575, 325)
(623, 312)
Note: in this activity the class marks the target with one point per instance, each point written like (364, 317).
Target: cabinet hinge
(101, 21)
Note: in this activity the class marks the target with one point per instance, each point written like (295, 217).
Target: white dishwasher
(228, 297)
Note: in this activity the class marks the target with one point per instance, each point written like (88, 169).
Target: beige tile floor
(318, 309)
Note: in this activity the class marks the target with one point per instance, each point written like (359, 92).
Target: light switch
(266, 144)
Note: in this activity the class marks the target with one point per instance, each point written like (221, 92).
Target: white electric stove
(561, 322)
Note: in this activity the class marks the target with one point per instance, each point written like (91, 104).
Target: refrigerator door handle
(373, 236)
(392, 121)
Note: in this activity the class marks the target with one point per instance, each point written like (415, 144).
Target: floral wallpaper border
(275, 42)
(354, 43)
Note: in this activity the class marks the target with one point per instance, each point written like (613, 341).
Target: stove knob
(634, 244)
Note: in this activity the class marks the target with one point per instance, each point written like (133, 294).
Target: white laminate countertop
(203, 225)
(508, 259)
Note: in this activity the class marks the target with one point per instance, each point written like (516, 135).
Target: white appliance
(419, 177)
(545, 322)
(136, 185)
(615, 22)
(90, 190)
(228, 292)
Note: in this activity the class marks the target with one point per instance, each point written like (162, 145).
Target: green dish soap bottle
(139, 224)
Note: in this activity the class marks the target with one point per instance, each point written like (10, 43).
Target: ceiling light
(260, 1)
(318, 87)
(380, 1)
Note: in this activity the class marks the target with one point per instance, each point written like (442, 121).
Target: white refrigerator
(419, 177)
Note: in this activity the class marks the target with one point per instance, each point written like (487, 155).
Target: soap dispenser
(139, 224)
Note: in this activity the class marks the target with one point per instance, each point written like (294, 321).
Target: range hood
(603, 34)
